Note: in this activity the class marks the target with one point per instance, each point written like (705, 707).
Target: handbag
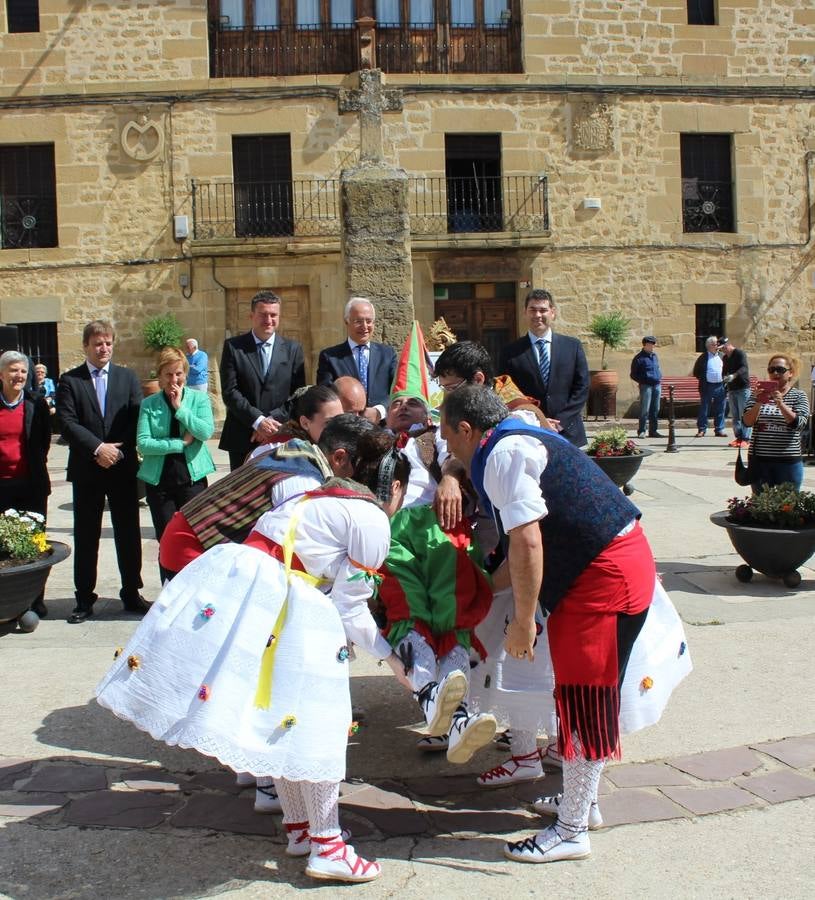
(743, 474)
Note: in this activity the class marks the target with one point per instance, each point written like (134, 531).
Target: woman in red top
(25, 438)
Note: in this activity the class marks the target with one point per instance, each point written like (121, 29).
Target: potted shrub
(26, 557)
(773, 531)
(618, 456)
(612, 330)
(159, 332)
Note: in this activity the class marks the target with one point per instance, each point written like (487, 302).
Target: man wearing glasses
(373, 364)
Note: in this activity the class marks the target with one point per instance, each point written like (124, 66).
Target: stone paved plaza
(714, 801)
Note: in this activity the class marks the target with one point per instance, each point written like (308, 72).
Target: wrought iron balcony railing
(707, 206)
(311, 208)
(513, 203)
(28, 220)
(266, 209)
(245, 52)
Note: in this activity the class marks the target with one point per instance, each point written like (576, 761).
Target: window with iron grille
(701, 12)
(709, 322)
(473, 181)
(28, 196)
(261, 165)
(22, 16)
(707, 183)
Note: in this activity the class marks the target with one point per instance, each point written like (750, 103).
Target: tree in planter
(162, 331)
(612, 330)
(158, 333)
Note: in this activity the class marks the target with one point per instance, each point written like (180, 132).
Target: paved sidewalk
(715, 800)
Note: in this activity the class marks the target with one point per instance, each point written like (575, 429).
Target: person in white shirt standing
(708, 371)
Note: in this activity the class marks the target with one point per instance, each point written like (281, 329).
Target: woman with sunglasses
(778, 419)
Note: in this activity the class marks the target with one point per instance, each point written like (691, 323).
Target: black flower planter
(621, 469)
(775, 552)
(21, 585)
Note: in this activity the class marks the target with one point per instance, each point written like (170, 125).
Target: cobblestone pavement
(715, 800)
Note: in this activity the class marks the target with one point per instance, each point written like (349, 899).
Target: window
(709, 321)
(28, 196)
(307, 13)
(701, 12)
(459, 13)
(342, 12)
(22, 16)
(263, 189)
(707, 183)
(473, 181)
(239, 13)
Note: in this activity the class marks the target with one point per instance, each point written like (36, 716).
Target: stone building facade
(614, 151)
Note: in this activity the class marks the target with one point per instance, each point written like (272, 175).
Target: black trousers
(238, 457)
(164, 502)
(89, 504)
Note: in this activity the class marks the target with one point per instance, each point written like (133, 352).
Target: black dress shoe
(656, 434)
(79, 615)
(39, 608)
(136, 604)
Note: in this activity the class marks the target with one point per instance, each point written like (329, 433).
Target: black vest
(586, 510)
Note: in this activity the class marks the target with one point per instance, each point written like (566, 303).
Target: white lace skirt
(520, 694)
(195, 676)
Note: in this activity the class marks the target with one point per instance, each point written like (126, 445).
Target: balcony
(510, 203)
(244, 52)
(437, 206)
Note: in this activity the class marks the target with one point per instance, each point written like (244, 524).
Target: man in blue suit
(372, 363)
(550, 367)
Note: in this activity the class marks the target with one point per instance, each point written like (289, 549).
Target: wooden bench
(686, 388)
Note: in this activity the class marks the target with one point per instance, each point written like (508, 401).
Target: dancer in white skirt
(244, 656)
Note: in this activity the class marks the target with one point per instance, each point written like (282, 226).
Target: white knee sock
(291, 799)
(581, 779)
(424, 661)
(321, 800)
(523, 743)
(457, 658)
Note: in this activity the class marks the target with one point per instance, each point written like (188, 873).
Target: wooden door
(482, 312)
(295, 322)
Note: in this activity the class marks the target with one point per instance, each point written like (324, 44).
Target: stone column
(376, 226)
(376, 245)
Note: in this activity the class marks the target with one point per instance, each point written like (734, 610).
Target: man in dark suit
(372, 363)
(550, 367)
(736, 378)
(98, 410)
(259, 370)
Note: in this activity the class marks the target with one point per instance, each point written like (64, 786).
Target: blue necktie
(264, 357)
(543, 360)
(101, 388)
(362, 365)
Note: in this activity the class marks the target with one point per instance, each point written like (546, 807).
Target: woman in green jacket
(173, 425)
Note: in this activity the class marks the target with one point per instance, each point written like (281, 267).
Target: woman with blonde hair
(778, 418)
(173, 427)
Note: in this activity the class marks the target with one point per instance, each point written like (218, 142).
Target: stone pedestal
(376, 245)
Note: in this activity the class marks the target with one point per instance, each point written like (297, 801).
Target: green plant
(779, 506)
(22, 537)
(162, 331)
(611, 329)
(612, 442)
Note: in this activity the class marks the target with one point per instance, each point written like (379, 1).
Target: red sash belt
(267, 545)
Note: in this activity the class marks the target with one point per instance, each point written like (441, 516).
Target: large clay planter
(21, 585)
(603, 393)
(621, 469)
(150, 386)
(775, 552)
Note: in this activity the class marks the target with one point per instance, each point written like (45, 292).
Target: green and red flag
(412, 377)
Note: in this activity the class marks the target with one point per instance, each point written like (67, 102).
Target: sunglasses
(776, 370)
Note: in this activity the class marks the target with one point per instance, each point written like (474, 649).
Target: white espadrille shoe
(468, 734)
(334, 860)
(548, 846)
(267, 801)
(515, 770)
(439, 700)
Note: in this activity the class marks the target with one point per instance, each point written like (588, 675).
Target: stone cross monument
(376, 225)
